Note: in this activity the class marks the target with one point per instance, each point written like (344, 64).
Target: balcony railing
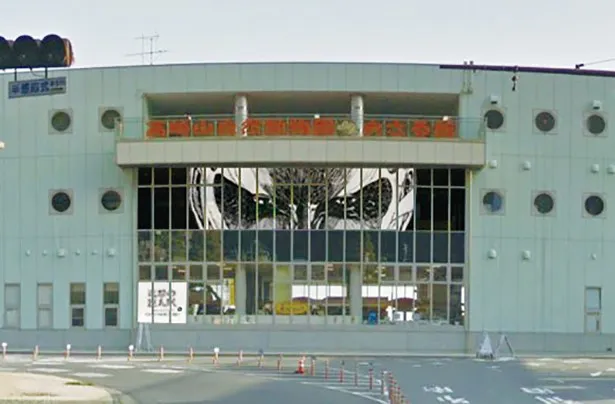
(469, 129)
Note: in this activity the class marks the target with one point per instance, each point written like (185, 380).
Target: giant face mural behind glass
(302, 198)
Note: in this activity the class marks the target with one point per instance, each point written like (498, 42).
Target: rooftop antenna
(599, 62)
(148, 48)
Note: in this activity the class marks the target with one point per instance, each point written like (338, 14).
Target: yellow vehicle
(292, 307)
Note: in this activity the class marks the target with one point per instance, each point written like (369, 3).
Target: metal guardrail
(469, 129)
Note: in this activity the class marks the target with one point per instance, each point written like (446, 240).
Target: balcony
(267, 139)
(466, 129)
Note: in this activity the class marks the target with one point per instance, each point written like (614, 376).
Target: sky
(558, 33)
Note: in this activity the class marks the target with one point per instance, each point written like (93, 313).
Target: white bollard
(99, 353)
(4, 345)
(216, 355)
(67, 352)
(35, 353)
(161, 353)
(131, 352)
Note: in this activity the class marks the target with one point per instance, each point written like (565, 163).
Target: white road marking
(47, 363)
(536, 390)
(573, 361)
(16, 358)
(115, 367)
(437, 389)
(584, 379)
(7, 369)
(595, 374)
(163, 371)
(91, 375)
(560, 388)
(264, 374)
(362, 395)
(48, 370)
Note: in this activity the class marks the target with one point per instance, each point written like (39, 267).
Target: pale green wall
(35, 162)
(546, 293)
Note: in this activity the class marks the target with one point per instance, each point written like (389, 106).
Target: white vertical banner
(178, 299)
(161, 301)
(145, 306)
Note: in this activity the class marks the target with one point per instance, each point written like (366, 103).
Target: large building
(307, 206)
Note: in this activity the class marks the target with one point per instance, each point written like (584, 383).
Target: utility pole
(148, 48)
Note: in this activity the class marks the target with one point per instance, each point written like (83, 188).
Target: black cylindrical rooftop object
(26, 51)
(7, 58)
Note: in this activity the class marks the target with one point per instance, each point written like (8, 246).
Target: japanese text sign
(33, 88)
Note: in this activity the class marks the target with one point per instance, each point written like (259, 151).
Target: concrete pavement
(30, 387)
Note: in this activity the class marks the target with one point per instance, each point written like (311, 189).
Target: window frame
(79, 305)
(40, 306)
(111, 304)
(593, 312)
(10, 306)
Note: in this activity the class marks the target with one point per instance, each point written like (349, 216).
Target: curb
(222, 354)
(121, 398)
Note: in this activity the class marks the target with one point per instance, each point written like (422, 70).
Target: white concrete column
(241, 290)
(356, 299)
(356, 111)
(241, 113)
(465, 125)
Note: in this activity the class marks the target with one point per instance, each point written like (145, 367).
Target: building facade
(321, 207)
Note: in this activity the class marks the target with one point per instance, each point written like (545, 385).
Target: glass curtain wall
(307, 245)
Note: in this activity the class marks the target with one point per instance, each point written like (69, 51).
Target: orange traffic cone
(300, 367)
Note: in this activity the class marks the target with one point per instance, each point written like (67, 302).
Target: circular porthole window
(60, 202)
(111, 200)
(493, 202)
(494, 119)
(60, 121)
(109, 118)
(544, 203)
(595, 124)
(594, 205)
(544, 121)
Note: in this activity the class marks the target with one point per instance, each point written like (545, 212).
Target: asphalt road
(422, 380)
(176, 381)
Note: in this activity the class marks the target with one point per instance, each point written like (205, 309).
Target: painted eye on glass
(305, 204)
